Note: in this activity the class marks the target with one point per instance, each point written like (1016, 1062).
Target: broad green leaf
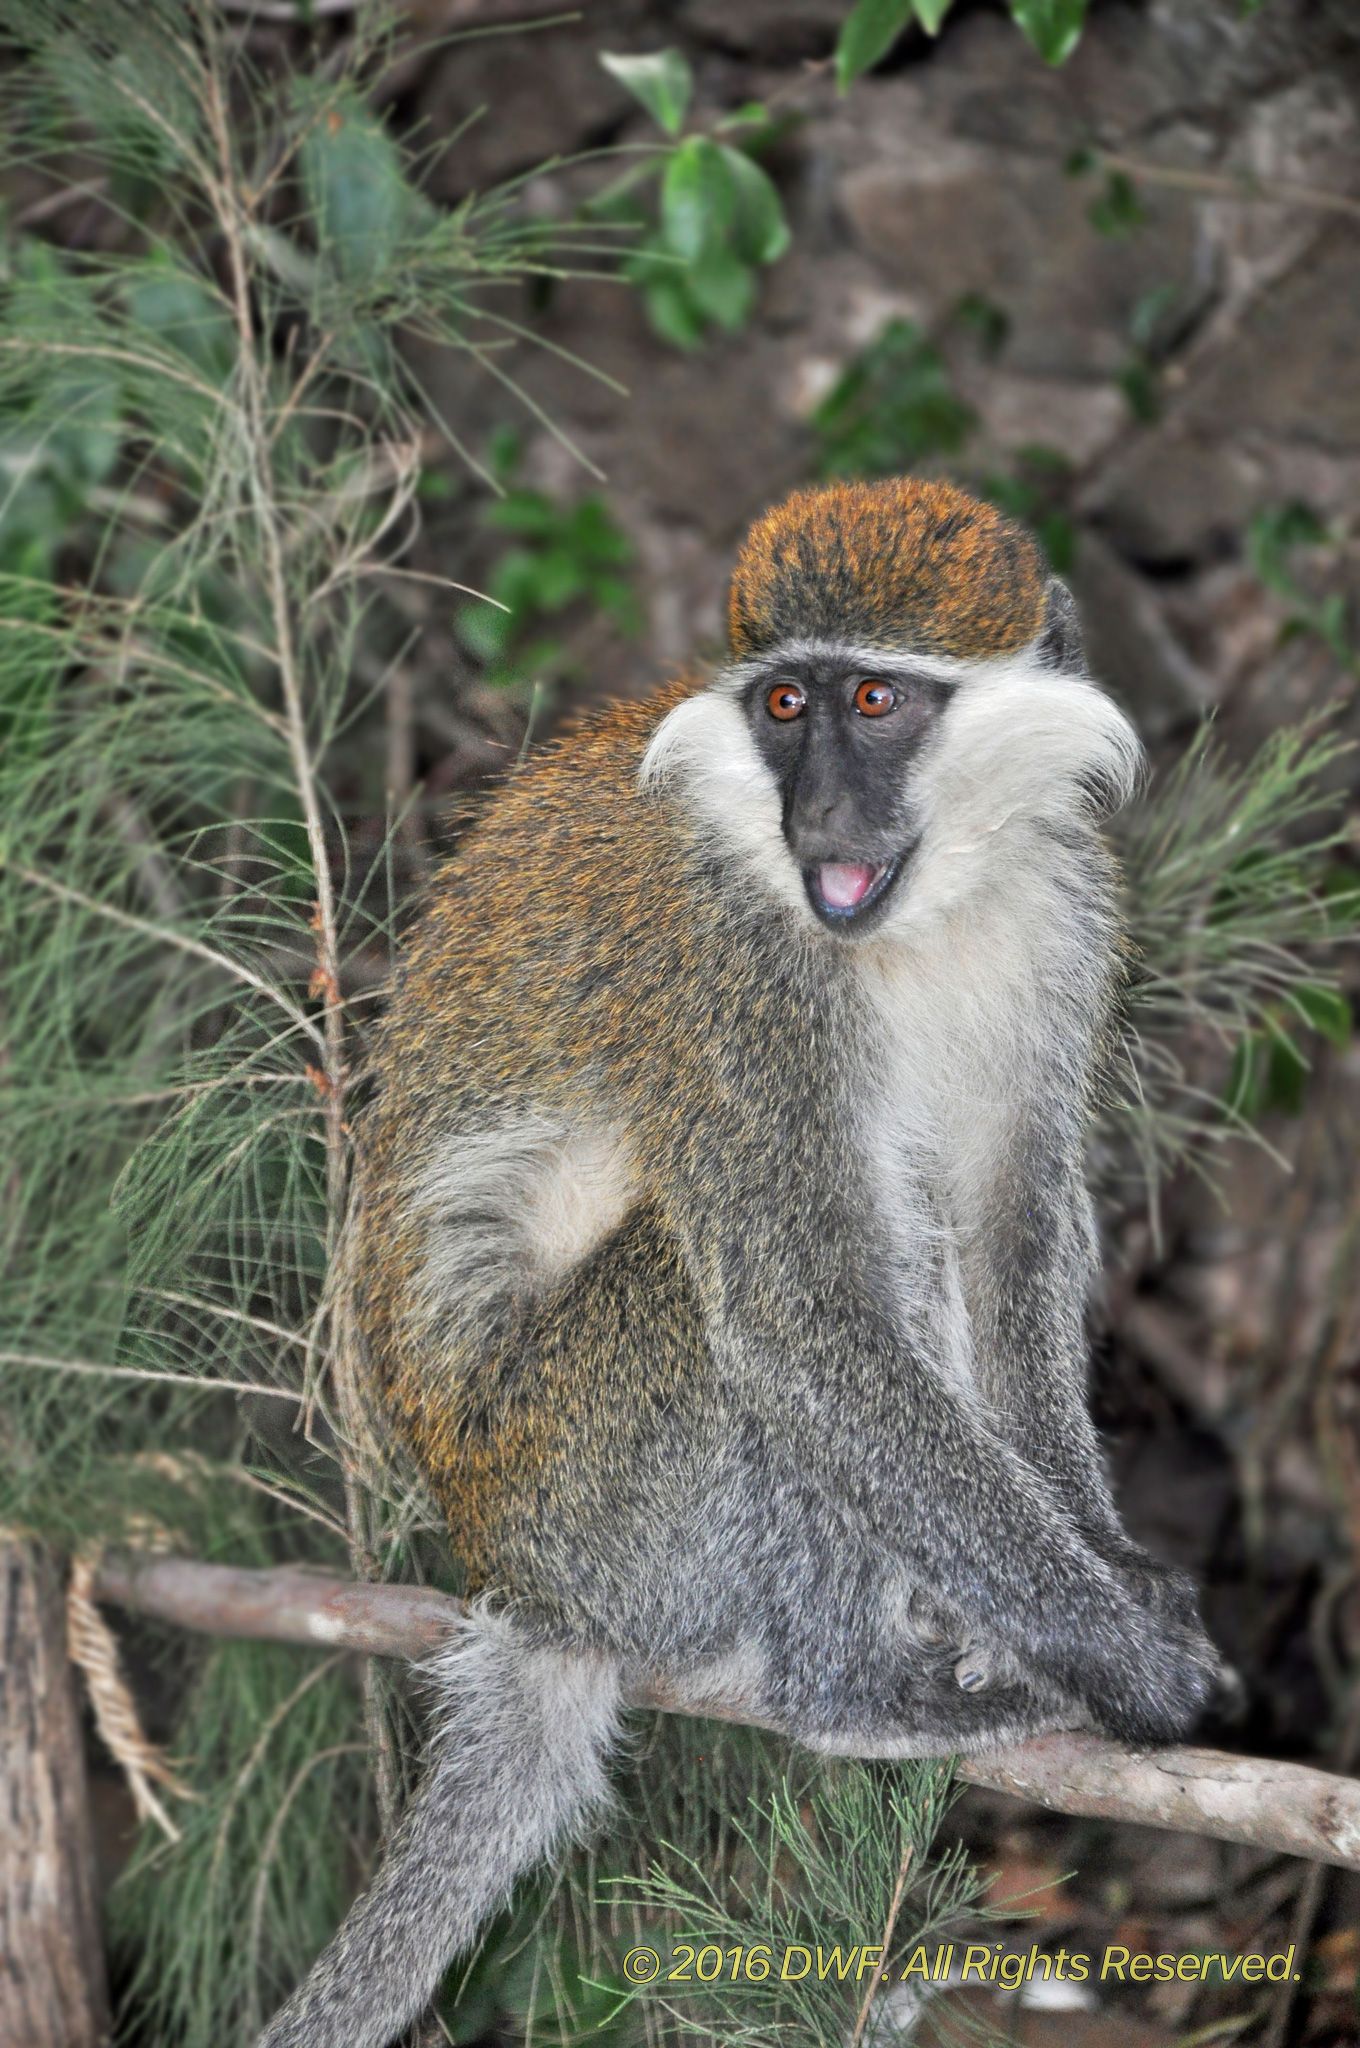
(890, 407)
(698, 198)
(722, 286)
(1326, 1009)
(1118, 210)
(178, 308)
(357, 189)
(868, 33)
(762, 233)
(673, 314)
(753, 114)
(662, 82)
(1053, 26)
(1286, 1075)
(931, 14)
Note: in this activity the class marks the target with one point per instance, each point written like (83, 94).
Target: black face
(840, 736)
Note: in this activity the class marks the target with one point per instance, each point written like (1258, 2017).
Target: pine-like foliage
(210, 441)
(1235, 899)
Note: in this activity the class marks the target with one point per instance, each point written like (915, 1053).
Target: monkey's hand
(1163, 1588)
(1146, 1671)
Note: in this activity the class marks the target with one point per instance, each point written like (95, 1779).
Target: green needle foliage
(827, 1895)
(209, 445)
(1236, 899)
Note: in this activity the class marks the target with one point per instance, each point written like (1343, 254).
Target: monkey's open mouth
(843, 891)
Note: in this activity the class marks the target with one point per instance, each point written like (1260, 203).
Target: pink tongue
(843, 884)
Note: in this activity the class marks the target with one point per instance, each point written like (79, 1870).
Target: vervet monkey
(723, 1244)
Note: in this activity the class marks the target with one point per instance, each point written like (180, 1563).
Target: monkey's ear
(1059, 642)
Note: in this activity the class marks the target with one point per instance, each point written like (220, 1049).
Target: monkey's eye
(786, 701)
(873, 699)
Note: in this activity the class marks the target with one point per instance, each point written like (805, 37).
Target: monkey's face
(841, 731)
(877, 790)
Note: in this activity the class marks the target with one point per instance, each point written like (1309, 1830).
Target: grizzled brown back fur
(515, 1462)
(895, 564)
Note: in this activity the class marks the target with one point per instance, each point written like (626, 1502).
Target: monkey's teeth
(843, 884)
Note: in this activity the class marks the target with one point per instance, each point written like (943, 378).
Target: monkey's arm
(804, 1344)
(1030, 1270)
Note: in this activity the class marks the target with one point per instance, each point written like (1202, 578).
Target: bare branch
(1277, 1806)
(1224, 185)
(192, 1380)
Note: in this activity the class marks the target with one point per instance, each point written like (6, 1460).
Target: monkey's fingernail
(971, 1674)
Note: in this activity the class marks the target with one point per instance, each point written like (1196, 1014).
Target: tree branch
(1277, 1806)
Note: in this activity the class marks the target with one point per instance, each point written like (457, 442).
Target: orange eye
(873, 699)
(786, 701)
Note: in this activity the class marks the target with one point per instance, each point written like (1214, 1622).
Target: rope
(93, 1647)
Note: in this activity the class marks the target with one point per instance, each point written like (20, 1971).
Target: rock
(1177, 497)
(1292, 371)
(1075, 420)
(1129, 645)
(525, 97)
(945, 217)
(772, 31)
(1121, 79)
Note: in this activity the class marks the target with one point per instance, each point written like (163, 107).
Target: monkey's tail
(515, 1769)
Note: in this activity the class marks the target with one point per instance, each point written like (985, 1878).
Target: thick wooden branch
(1288, 1807)
(52, 1986)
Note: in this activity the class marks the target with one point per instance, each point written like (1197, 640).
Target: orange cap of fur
(895, 564)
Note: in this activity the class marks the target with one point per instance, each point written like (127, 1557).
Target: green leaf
(722, 287)
(868, 33)
(698, 198)
(1326, 1009)
(1053, 26)
(1271, 536)
(673, 314)
(1286, 1075)
(890, 407)
(1142, 391)
(931, 14)
(1119, 209)
(178, 308)
(663, 83)
(752, 114)
(761, 232)
(357, 189)
(1147, 315)
(989, 322)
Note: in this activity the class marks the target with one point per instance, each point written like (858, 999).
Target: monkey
(722, 1243)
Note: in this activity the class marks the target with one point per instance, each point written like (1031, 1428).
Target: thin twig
(225, 191)
(57, 202)
(881, 1965)
(1225, 185)
(139, 1372)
